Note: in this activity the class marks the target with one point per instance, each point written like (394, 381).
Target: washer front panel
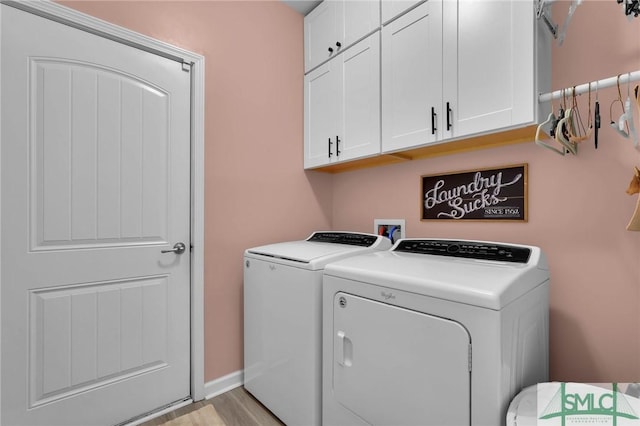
(282, 339)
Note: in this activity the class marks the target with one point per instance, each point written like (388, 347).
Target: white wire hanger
(625, 126)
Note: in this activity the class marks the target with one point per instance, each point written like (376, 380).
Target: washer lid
(459, 278)
(320, 248)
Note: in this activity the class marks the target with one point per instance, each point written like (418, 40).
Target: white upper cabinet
(399, 76)
(460, 68)
(412, 78)
(361, 99)
(342, 106)
(393, 8)
(489, 62)
(322, 114)
(334, 25)
(321, 34)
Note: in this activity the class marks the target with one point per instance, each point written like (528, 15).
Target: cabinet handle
(338, 44)
(337, 146)
(448, 117)
(331, 50)
(329, 146)
(433, 121)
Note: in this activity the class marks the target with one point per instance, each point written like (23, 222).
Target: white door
(322, 29)
(360, 132)
(359, 19)
(394, 366)
(322, 113)
(489, 68)
(95, 183)
(393, 8)
(412, 78)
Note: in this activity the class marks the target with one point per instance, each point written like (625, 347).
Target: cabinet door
(360, 18)
(412, 78)
(393, 8)
(394, 366)
(488, 64)
(322, 29)
(322, 113)
(360, 135)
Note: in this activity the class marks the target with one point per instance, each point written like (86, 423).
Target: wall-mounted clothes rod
(623, 79)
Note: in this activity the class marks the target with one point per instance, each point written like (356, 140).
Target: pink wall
(255, 189)
(578, 208)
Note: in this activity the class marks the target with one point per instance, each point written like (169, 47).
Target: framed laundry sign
(497, 194)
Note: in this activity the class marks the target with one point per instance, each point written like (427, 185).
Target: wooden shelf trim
(509, 137)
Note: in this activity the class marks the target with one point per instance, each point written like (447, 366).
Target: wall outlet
(394, 229)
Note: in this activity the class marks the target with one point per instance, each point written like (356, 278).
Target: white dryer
(283, 320)
(433, 333)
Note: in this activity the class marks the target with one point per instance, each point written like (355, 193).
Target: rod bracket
(542, 12)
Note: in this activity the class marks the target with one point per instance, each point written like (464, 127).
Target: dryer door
(394, 366)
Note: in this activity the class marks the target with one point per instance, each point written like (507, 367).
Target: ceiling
(302, 6)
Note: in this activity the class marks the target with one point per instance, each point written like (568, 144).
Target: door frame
(73, 18)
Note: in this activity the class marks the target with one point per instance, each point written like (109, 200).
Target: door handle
(178, 248)
(433, 121)
(448, 117)
(345, 350)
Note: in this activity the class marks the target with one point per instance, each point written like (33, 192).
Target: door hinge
(186, 66)
(469, 357)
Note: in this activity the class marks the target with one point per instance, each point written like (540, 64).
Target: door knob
(178, 248)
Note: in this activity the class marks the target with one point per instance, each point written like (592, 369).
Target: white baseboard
(223, 384)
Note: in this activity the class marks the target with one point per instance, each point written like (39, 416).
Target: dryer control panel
(350, 238)
(467, 249)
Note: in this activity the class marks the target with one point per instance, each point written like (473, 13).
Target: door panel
(95, 182)
(412, 78)
(360, 99)
(111, 120)
(488, 68)
(323, 113)
(360, 18)
(393, 8)
(322, 30)
(87, 336)
(394, 366)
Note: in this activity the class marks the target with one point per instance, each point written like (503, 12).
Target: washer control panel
(350, 238)
(467, 249)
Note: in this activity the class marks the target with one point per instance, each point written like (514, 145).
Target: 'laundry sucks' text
(481, 193)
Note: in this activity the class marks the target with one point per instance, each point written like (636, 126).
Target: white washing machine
(283, 320)
(433, 333)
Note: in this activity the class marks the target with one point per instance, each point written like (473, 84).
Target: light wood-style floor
(236, 407)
